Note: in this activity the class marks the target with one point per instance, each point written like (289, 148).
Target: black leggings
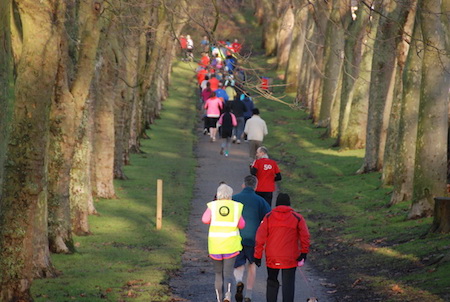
(287, 281)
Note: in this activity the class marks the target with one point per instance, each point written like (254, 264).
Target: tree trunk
(66, 116)
(381, 83)
(270, 27)
(23, 203)
(441, 221)
(392, 140)
(320, 14)
(122, 108)
(285, 37)
(404, 165)
(353, 51)
(334, 54)
(81, 199)
(103, 138)
(6, 79)
(430, 176)
(296, 56)
(354, 136)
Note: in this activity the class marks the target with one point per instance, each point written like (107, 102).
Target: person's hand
(302, 257)
(258, 262)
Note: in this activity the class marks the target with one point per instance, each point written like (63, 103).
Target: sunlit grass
(126, 258)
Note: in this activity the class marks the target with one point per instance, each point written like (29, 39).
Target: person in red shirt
(214, 82)
(267, 172)
(201, 74)
(183, 45)
(205, 60)
(284, 237)
(236, 46)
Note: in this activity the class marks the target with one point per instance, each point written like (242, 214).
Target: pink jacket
(213, 106)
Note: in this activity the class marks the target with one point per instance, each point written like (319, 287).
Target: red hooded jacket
(284, 235)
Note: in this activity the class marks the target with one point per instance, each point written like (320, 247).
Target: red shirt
(204, 61)
(266, 170)
(183, 42)
(201, 76)
(236, 47)
(214, 84)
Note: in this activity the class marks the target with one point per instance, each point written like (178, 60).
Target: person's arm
(206, 218)
(277, 172)
(233, 120)
(260, 239)
(241, 223)
(265, 129)
(253, 170)
(278, 176)
(303, 235)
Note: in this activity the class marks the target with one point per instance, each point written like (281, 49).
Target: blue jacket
(248, 104)
(255, 208)
(221, 93)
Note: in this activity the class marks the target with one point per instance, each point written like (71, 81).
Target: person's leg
(272, 284)
(239, 276)
(239, 273)
(251, 276)
(239, 129)
(213, 132)
(288, 282)
(239, 269)
(218, 282)
(228, 267)
(205, 125)
(267, 196)
(223, 146)
(227, 145)
(252, 149)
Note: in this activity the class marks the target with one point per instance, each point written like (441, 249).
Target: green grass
(355, 236)
(126, 258)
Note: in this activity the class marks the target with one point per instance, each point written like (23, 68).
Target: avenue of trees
(81, 81)
(376, 75)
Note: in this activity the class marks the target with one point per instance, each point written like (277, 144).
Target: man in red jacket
(284, 236)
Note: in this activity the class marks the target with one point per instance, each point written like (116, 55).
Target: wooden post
(159, 201)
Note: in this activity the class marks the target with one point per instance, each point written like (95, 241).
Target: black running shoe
(239, 292)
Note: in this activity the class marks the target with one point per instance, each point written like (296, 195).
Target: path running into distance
(195, 281)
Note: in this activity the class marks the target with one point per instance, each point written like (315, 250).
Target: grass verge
(368, 251)
(126, 258)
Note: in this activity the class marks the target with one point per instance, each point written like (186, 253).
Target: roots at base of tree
(420, 209)
(47, 272)
(58, 246)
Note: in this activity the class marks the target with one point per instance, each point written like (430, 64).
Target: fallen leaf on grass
(328, 284)
(397, 289)
(356, 282)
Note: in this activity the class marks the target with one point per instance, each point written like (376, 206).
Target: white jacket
(255, 128)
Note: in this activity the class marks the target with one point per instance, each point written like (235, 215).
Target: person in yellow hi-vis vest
(224, 217)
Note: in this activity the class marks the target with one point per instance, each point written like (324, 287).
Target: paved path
(195, 281)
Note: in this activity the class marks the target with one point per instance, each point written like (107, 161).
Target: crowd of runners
(244, 226)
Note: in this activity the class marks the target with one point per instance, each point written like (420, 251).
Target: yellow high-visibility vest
(224, 236)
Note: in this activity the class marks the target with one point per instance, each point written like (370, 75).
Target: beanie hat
(283, 199)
